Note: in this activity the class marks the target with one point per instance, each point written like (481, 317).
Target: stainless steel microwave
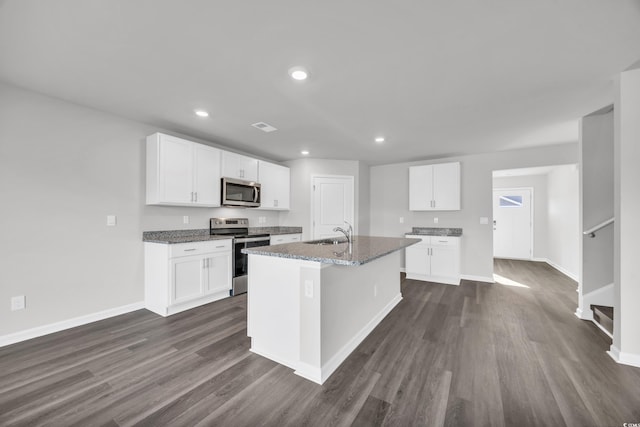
(236, 192)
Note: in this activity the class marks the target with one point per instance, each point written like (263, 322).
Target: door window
(511, 201)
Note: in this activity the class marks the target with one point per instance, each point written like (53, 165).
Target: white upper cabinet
(239, 166)
(207, 175)
(434, 187)
(275, 186)
(181, 172)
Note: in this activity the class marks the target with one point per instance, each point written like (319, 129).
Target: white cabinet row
(182, 276)
(186, 173)
(434, 187)
(239, 166)
(434, 259)
(285, 238)
(276, 186)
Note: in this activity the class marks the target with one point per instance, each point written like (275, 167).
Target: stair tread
(604, 310)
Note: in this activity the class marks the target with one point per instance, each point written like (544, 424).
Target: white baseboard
(584, 314)
(477, 278)
(342, 354)
(68, 324)
(561, 269)
(623, 358)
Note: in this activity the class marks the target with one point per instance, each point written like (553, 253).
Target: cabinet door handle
(192, 196)
(221, 246)
(189, 250)
(196, 196)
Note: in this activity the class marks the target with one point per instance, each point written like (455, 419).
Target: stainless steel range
(238, 228)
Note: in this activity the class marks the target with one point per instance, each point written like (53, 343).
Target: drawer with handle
(197, 248)
(444, 241)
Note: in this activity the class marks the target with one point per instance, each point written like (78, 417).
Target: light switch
(185, 219)
(111, 220)
(401, 220)
(435, 220)
(18, 303)
(484, 220)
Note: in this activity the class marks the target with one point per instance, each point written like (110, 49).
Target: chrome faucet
(348, 233)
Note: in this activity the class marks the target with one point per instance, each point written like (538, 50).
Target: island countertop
(363, 249)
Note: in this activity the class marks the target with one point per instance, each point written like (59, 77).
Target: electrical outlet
(308, 288)
(185, 219)
(401, 220)
(435, 220)
(18, 303)
(112, 220)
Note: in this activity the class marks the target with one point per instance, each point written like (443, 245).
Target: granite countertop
(363, 249)
(202, 235)
(437, 231)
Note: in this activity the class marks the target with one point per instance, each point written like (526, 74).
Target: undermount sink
(326, 242)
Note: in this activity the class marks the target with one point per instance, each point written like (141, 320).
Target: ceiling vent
(265, 127)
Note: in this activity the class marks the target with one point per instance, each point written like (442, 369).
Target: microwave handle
(255, 194)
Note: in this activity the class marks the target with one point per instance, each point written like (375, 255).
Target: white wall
(564, 234)
(63, 169)
(390, 199)
(539, 185)
(301, 172)
(596, 199)
(626, 340)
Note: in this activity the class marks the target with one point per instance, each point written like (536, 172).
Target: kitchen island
(309, 304)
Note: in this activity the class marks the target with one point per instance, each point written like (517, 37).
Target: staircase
(603, 316)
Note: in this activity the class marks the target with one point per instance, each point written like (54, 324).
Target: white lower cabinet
(284, 238)
(435, 259)
(183, 276)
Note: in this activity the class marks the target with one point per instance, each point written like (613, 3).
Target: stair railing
(592, 231)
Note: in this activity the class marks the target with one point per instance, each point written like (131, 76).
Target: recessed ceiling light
(304, 152)
(298, 73)
(380, 139)
(201, 113)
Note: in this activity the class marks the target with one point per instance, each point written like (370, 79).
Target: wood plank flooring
(474, 354)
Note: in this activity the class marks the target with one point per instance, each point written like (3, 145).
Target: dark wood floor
(476, 354)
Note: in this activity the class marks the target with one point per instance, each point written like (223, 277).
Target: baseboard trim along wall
(557, 267)
(624, 358)
(68, 324)
(477, 278)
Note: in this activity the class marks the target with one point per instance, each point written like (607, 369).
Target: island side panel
(273, 308)
(355, 299)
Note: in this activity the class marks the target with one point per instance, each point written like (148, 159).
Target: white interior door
(512, 223)
(333, 203)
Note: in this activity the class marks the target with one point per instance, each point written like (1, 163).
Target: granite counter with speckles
(363, 250)
(202, 235)
(437, 231)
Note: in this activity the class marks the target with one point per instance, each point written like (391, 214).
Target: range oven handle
(251, 239)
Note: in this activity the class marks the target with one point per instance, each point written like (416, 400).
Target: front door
(512, 224)
(333, 204)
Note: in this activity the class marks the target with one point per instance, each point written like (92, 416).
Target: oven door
(236, 192)
(240, 261)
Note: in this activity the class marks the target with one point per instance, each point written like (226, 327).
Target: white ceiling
(434, 77)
